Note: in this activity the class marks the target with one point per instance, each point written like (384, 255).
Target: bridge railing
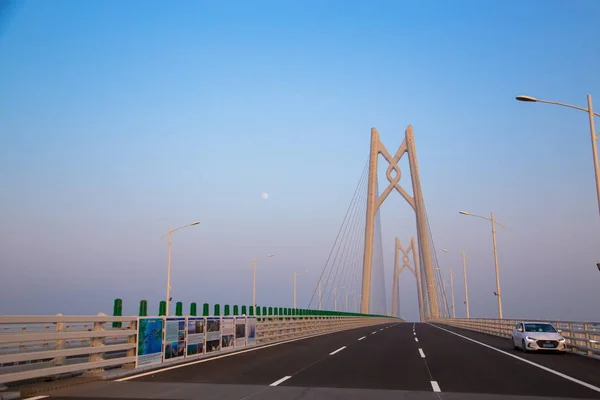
(582, 337)
(33, 347)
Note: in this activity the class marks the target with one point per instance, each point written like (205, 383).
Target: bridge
(347, 342)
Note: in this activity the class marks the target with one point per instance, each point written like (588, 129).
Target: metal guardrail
(581, 337)
(33, 347)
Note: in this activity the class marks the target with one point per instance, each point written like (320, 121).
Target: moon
(265, 196)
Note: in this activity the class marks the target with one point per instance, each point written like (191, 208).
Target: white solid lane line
(337, 351)
(416, 340)
(362, 338)
(435, 386)
(285, 378)
(421, 353)
(570, 378)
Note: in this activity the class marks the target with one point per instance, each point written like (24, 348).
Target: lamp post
(452, 289)
(296, 274)
(170, 235)
(464, 260)
(346, 291)
(320, 296)
(494, 222)
(346, 297)
(594, 135)
(335, 299)
(254, 261)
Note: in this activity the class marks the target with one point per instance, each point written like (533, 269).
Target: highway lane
(460, 365)
(585, 369)
(386, 359)
(263, 366)
(372, 362)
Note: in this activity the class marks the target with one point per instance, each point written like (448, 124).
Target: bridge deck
(385, 364)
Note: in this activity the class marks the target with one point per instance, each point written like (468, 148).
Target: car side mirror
(519, 329)
(559, 330)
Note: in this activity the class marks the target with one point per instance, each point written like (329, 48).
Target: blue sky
(120, 119)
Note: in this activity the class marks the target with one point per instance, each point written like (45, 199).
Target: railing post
(60, 343)
(97, 342)
(588, 336)
(133, 339)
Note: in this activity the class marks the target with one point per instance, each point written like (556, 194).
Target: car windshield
(539, 328)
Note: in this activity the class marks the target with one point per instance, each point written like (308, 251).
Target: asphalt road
(389, 361)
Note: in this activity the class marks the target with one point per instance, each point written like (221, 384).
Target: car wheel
(523, 347)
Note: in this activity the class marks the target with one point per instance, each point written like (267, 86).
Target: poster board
(150, 341)
(195, 336)
(227, 332)
(240, 331)
(250, 330)
(213, 334)
(174, 337)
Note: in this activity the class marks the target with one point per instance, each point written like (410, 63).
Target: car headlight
(562, 340)
(530, 338)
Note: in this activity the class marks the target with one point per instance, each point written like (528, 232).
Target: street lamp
(464, 260)
(254, 261)
(452, 289)
(296, 274)
(335, 293)
(494, 222)
(446, 296)
(591, 113)
(346, 293)
(320, 296)
(170, 235)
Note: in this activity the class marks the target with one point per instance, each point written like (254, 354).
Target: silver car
(535, 336)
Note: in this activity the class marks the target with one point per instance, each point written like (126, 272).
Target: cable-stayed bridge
(355, 264)
(348, 342)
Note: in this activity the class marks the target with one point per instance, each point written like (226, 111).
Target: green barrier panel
(143, 308)
(251, 312)
(117, 312)
(193, 310)
(205, 309)
(226, 310)
(179, 309)
(217, 310)
(236, 310)
(244, 310)
(162, 308)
